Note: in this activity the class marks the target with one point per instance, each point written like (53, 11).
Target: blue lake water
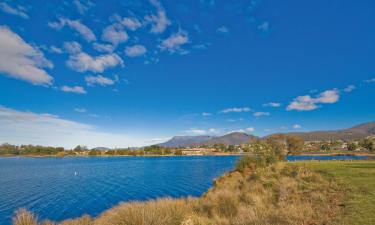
(60, 188)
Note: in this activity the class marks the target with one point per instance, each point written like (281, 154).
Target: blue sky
(133, 73)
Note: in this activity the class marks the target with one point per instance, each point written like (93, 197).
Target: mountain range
(237, 138)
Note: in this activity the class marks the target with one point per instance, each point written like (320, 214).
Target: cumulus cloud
(258, 114)
(308, 103)
(135, 50)
(18, 11)
(272, 104)
(72, 47)
(174, 42)
(159, 22)
(115, 34)
(222, 29)
(350, 88)
(22, 61)
(51, 130)
(74, 89)
(131, 23)
(297, 126)
(236, 110)
(83, 62)
(76, 25)
(99, 80)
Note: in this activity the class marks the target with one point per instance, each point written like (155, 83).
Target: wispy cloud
(74, 89)
(76, 25)
(160, 21)
(174, 42)
(206, 114)
(259, 114)
(222, 29)
(308, 103)
(297, 126)
(103, 47)
(17, 11)
(264, 26)
(80, 110)
(350, 88)
(236, 110)
(272, 104)
(99, 80)
(209, 131)
(22, 61)
(51, 130)
(83, 5)
(372, 80)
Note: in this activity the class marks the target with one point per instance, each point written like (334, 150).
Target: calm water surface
(60, 188)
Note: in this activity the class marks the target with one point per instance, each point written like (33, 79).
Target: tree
(367, 144)
(295, 144)
(352, 146)
(278, 144)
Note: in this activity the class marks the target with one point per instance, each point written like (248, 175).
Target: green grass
(357, 180)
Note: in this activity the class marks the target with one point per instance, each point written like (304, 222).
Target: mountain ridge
(236, 138)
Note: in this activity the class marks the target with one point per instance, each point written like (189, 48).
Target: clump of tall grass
(262, 190)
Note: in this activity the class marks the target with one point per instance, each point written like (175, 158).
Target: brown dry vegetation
(279, 193)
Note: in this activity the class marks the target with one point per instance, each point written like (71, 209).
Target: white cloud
(349, 88)
(82, 5)
(99, 80)
(115, 34)
(250, 129)
(131, 23)
(56, 50)
(80, 110)
(82, 62)
(51, 130)
(206, 114)
(272, 104)
(174, 42)
(236, 110)
(22, 61)
(103, 47)
(159, 22)
(74, 89)
(135, 50)
(76, 25)
(308, 103)
(209, 131)
(19, 11)
(222, 29)
(297, 126)
(72, 47)
(258, 114)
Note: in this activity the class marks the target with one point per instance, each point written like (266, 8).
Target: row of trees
(8, 149)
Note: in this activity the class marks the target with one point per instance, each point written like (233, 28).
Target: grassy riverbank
(277, 193)
(357, 180)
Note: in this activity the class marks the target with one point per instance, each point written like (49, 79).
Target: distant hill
(185, 141)
(235, 138)
(356, 132)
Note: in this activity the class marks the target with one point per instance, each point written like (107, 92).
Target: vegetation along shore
(263, 189)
